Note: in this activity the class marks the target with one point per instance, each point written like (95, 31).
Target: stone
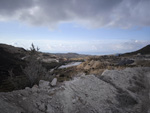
(27, 88)
(49, 109)
(24, 98)
(44, 84)
(74, 101)
(51, 70)
(42, 107)
(35, 88)
(54, 82)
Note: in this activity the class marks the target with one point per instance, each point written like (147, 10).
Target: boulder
(27, 88)
(35, 88)
(44, 84)
(54, 81)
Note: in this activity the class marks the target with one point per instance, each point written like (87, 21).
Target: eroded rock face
(125, 91)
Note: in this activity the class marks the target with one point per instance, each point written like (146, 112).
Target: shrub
(34, 70)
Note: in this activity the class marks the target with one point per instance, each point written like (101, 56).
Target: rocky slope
(125, 91)
(97, 64)
(143, 51)
(10, 60)
(14, 59)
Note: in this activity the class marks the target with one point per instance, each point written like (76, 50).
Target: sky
(83, 26)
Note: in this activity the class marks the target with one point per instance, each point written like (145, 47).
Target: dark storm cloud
(8, 7)
(90, 13)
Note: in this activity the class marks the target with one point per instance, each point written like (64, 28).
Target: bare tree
(33, 50)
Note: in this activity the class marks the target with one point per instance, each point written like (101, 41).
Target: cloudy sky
(82, 26)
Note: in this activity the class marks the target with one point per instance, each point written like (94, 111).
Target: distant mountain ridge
(69, 55)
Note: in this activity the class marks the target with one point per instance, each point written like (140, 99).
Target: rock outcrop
(124, 91)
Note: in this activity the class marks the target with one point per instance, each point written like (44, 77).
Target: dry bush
(15, 82)
(34, 70)
(11, 79)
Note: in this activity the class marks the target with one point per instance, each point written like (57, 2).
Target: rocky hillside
(97, 64)
(12, 49)
(125, 91)
(10, 60)
(143, 51)
(90, 86)
(14, 59)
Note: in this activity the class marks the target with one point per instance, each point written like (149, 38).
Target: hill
(10, 60)
(14, 59)
(143, 51)
(70, 55)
